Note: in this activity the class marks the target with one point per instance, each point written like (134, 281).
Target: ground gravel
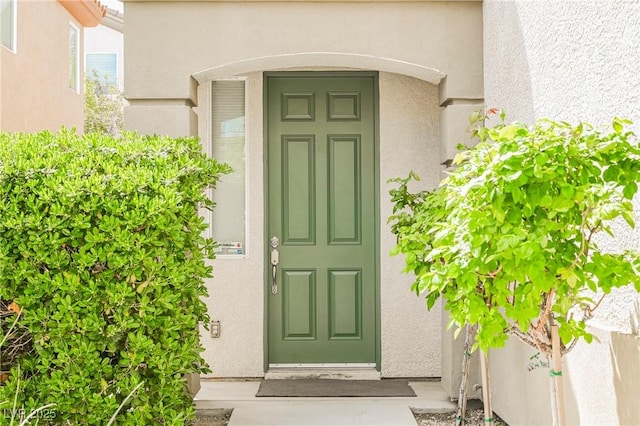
(475, 417)
(212, 417)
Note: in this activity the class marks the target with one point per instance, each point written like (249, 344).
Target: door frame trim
(376, 191)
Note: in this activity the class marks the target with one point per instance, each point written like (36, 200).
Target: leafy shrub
(101, 246)
(507, 239)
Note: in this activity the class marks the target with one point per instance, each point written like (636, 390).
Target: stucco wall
(35, 93)
(411, 337)
(409, 140)
(169, 41)
(236, 293)
(571, 61)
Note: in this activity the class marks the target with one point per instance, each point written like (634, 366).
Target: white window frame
(14, 28)
(208, 145)
(79, 72)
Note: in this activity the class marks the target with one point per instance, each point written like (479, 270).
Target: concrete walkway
(252, 411)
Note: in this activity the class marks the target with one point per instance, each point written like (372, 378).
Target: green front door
(322, 209)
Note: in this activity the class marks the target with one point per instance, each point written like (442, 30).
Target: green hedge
(101, 246)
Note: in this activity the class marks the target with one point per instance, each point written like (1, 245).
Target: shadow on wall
(570, 401)
(625, 360)
(507, 74)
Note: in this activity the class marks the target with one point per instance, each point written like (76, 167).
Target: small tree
(508, 238)
(103, 106)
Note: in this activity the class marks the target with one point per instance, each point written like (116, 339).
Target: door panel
(298, 189)
(344, 189)
(345, 304)
(299, 308)
(321, 205)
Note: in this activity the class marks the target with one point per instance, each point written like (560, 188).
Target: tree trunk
(557, 383)
(486, 389)
(466, 364)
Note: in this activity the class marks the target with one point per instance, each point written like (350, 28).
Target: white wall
(567, 60)
(102, 39)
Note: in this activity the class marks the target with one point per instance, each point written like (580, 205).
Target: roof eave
(88, 13)
(114, 19)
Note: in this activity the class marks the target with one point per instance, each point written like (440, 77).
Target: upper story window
(8, 24)
(74, 58)
(102, 66)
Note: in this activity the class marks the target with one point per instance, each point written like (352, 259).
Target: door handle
(275, 259)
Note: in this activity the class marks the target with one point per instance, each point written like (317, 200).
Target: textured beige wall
(572, 61)
(173, 119)
(35, 92)
(409, 140)
(602, 381)
(625, 364)
(236, 293)
(452, 355)
(166, 43)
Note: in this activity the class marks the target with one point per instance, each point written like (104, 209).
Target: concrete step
(342, 373)
(251, 411)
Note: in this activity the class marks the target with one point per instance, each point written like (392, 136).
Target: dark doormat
(335, 388)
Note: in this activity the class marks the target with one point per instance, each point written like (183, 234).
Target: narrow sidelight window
(228, 146)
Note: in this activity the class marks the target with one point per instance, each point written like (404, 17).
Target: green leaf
(568, 191)
(617, 126)
(475, 117)
(456, 333)
(507, 132)
(628, 217)
(630, 190)
(612, 173)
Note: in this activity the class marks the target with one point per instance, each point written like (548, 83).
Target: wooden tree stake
(486, 389)
(557, 383)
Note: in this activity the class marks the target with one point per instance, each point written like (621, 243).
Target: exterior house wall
(570, 61)
(444, 36)
(236, 293)
(437, 45)
(409, 140)
(35, 93)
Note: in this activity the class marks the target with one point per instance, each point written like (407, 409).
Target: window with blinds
(228, 146)
(102, 66)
